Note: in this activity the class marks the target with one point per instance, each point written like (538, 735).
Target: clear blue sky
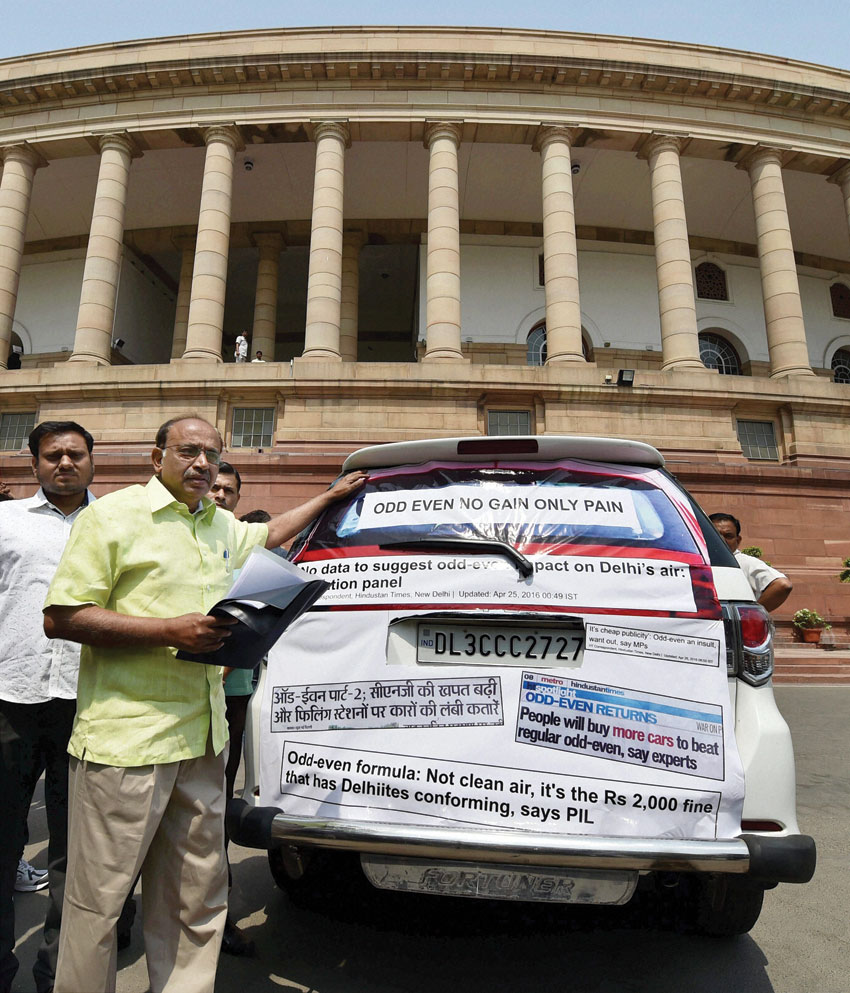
(809, 30)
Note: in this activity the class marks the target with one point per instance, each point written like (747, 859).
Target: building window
(711, 282)
(15, 430)
(716, 353)
(252, 427)
(840, 295)
(758, 440)
(508, 422)
(536, 344)
(841, 366)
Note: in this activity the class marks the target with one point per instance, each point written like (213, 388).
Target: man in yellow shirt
(141, 569)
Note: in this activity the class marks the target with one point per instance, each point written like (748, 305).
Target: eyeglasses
(188, 453)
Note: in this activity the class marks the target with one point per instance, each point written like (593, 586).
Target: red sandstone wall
(801, 520)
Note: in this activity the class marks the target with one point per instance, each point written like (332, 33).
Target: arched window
(711, 282)
(841, 366)
(716, 353)
(840, 294)
(536, 343)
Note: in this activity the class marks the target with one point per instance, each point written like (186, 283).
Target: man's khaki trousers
(168, 821)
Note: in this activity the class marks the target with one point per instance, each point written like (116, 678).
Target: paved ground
(799, 945)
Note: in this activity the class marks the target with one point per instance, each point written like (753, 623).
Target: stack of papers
(267, 596)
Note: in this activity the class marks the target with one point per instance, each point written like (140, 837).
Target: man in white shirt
(38, 677)
(241, 351)
(770, 587)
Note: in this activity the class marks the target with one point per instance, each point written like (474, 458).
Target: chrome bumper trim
(514, 847)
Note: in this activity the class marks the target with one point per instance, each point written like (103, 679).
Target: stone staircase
(811, 665)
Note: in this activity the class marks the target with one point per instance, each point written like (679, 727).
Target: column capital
(269, 240)
(227, 133)
(660, 141)
(331, 129)
(547, 133)
(22, 152)
(841, 177)
(452, 130)
(764, 153)
(123, 141)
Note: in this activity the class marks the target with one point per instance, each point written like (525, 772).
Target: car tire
(725, 905)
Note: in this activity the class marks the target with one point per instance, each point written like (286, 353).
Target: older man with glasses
(141, 569)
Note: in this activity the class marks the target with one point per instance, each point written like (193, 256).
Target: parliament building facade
(437, 232)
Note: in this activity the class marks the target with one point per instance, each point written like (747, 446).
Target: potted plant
(810, 624)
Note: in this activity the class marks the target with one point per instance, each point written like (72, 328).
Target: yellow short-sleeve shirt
(139, 551)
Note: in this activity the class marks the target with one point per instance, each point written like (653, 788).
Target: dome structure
(438, 231)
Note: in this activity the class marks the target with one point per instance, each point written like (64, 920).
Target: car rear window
(537, 504)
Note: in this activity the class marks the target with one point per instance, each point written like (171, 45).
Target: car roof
(521, 448)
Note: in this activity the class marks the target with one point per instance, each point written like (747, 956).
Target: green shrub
(805, 618)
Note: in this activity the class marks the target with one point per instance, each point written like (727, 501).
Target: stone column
(209, 278)
(19, 165)
(783, 310)
(842, 180)
(673, 271)
(184, 295)
(324, 282)
(102, 273)
(560, 257)
(263, 334)
(442, 279)
(352, 242)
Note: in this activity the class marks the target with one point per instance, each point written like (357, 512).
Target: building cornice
(405, 39)
(29, 83)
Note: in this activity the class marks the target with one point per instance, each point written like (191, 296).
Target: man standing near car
(38, 678)
(770, 587)
(140, 571)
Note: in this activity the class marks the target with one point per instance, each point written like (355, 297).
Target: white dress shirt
(759, 574)
(33, 669)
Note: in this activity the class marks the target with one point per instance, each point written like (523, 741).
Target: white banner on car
(442, 686)
(582, 507)
(559, 580)
(631, 739)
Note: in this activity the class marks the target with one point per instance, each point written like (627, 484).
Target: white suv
(537, 673)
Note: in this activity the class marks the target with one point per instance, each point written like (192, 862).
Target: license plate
(486, 881)
(500, 644)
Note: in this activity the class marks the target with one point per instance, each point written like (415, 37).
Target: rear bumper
(788, 859)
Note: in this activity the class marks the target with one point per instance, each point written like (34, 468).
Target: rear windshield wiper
(492, 545)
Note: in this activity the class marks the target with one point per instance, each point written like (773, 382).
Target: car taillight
(756, 630)
(755, 625)
(761, 826)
